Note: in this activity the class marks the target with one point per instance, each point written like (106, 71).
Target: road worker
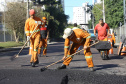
(102, 27)
(79, 38)
(44, 37)
(113, 39)
(30, 25)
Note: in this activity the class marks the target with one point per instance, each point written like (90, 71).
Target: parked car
(93, 37)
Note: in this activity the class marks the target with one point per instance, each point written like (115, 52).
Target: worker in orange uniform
(102, 27)
(30, 25)
(79, 38)
(44, 37)
(113, 39)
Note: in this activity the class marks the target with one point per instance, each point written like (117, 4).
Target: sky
(69, 4)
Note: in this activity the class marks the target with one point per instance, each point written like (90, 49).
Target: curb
(11, 49)
(18, 48)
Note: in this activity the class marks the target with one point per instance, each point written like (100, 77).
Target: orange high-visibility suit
(30, 25)
(81, 38)
(30, 50)
(43, 40)
(113, 39)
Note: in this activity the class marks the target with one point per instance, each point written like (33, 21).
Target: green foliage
(97, 11)
(15, 19)
(10, 44)
(45, 2)
(113, 12)
(56, 19)
(90, 24)
(70, 26)
(57, 24)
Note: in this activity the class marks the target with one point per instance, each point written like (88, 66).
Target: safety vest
(43, 31)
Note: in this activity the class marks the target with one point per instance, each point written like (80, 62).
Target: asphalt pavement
(19, 71)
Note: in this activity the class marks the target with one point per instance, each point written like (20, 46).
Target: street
(19, 71)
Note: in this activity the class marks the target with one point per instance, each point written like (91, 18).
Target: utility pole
(84, 15)
(93, 20)
(27, 18)
(4, 23)
(27, 9)
(93, 2)
(124, 11)
(120, 29)
(92, 14)
(103, 12)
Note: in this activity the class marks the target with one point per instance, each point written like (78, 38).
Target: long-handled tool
(17, 55)
(44, 68)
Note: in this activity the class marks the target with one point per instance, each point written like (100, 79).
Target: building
(96, 1)
(80, 15)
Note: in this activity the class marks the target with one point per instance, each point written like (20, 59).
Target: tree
(57, 20)
(46, 2)
(15, 19)
(97, 11)
(113, 12)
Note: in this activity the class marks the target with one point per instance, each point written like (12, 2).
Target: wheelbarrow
(103, 47)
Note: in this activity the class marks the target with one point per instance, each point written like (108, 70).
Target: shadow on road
(100, 67)
(78, 67)
(116, 57)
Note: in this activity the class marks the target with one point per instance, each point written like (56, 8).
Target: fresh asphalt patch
(54, 76)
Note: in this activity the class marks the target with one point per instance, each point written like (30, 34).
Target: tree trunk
(15, 36)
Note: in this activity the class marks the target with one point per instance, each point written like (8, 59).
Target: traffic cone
(123, 50)
(111, 50)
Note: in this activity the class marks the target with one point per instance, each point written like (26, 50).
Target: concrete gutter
(11, 49)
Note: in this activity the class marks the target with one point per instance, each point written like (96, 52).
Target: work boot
(45, 55)
(107, 57)
(62, 67)
(39, 55)
(34, 63)
(91, 69)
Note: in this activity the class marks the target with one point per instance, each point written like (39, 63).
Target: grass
(10, 44)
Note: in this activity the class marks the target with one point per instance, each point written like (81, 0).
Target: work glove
(28, 37)
(64, 58)
(85, 47)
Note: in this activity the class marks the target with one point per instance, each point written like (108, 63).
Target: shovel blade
(13, 57)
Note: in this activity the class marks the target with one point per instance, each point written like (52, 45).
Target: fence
(8, 36)
(119, 32)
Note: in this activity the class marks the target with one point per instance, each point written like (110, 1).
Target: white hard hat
(67, 32)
